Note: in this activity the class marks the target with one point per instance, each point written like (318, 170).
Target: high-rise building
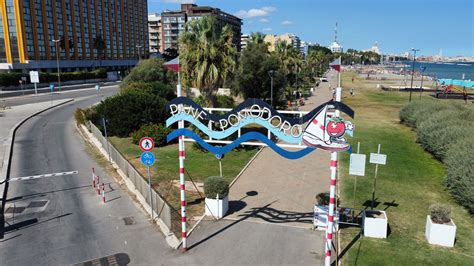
(287, 38)
(244, 38)
(173, 23)
(83, 34)
(154, 32)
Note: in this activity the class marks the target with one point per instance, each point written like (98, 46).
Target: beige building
(154, 33)
(288, 38)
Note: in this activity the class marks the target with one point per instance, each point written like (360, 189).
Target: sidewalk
(277, 190)
(14, 93)
(9, 118)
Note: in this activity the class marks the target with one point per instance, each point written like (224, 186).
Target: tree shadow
(235, 206)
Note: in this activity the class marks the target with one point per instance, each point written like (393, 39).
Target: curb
(5, 173)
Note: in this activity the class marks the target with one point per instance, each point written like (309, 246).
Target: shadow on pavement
(224, 229)
(119, 259)
(235, 206)
(42, 194)
(272, 215)
(30, 223)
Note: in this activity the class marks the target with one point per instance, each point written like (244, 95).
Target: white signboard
(34, 77)
(378, 158)
(357, 164)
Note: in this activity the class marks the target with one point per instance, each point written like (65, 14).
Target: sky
(397, 25)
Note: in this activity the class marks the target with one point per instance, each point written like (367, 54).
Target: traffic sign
(219, 156)
(147, 158)
(146, 144)
(34, 77)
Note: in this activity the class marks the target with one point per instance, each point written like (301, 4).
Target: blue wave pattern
(245, 137)
(229, 131)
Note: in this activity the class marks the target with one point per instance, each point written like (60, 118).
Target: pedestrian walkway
(281, 191)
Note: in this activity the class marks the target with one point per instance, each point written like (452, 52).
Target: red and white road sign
(146, 144)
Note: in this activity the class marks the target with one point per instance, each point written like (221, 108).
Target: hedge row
(13, 78)
(446, 129)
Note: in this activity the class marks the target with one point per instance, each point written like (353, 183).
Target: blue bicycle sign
(147, 158)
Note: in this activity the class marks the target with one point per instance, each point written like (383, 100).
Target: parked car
(323, 79)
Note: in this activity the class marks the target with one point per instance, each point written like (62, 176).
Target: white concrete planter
(320, 218)
(440, 234)
(375, 224)
(217, 207)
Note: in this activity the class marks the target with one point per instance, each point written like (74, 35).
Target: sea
(440, 70)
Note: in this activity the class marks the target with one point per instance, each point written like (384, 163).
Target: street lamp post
(413, 69)
(57, 62)
(271, 73)
(139, 46)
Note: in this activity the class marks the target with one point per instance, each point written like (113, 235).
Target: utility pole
(57, 63)
(271, 73)
(413, 69)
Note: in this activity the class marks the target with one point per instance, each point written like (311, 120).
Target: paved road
(20, 100)
(63, 220)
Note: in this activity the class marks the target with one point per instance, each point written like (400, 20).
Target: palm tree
(207, 56)
(100, 46)
(290, 59)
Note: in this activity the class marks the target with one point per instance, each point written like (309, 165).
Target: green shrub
(150, 70)
(216, 185)
(127, 112)
(11, 79)
(446, 130)
(224, 101)
(157, 132)
(438, 138)
(322, 198)
(460, 172)
(158, 88)
(440, 213)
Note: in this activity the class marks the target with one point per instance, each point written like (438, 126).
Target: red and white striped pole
(93, 177)
(98, 185)
(181, 174)
(332, 194)
(103, 192)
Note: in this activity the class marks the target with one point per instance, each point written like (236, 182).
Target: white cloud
(267, 29)
(256, 12)
(269, 9)
(286, 23)
(179, 1)
(264, 20)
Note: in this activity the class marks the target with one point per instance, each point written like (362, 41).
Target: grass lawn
(198, 165)
(412, 178)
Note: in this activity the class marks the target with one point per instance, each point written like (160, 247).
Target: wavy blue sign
(321, 130)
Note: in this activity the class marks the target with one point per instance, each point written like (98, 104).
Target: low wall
(135, 181)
